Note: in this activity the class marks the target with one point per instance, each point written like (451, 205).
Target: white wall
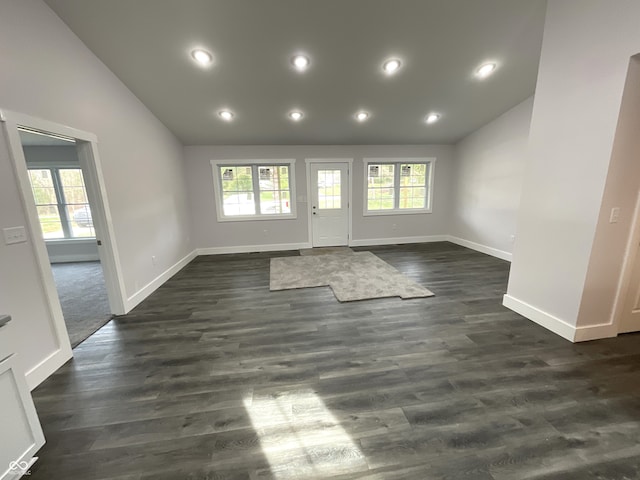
(595, 317)
(488, 175)
(585, 57)
(47, 72)
(209, 233)
(62, 250)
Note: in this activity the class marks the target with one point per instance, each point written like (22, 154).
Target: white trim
(595, 332)
(275, 247)
(494, 252)
(624, 283)
(548, 321)
(157, 282)
(398, 240)
(55, 318)
(46, 368)
(74, 257)
(308, 162)
(103, 224)
(396, 185)
(217, 188)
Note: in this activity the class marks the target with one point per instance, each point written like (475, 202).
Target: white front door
(329, 204)
(630, 320)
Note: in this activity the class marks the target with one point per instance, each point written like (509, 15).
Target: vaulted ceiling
(148, 44)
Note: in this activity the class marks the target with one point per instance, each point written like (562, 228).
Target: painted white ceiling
(146, 43)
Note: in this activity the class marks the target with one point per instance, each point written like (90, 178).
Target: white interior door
(329, 204)
(630, 320)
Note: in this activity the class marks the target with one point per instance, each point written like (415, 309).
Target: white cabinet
(20, 432)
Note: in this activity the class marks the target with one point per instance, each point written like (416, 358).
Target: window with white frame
(254, 190)
(61, 200)
(402, 185)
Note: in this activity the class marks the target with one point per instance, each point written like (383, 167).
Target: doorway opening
(64, 213)
(69, 224)
(329, 189)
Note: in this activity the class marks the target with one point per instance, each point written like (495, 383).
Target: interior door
(329, 204)
(630, 320)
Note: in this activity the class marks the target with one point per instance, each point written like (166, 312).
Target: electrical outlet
(512, 238)
(14, 235)
(154, 260)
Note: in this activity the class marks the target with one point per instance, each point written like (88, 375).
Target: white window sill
(71, 240)
(412, 211)
(251, 218)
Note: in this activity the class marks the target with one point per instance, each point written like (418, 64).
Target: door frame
(87, 148)
(627, 267)
(349, 163)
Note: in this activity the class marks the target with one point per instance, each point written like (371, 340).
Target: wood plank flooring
(215, 377)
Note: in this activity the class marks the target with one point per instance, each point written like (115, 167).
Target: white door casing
(626, 316)
(329, 202)
(109, 257)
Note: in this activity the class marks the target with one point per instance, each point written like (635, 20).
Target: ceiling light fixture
(226, 115)
(362, 116)
(296, 116)
(300, 62)
(485, 70)
(391, 66)
(432, 118)
(202, 57)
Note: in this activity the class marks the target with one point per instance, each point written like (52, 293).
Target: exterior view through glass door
(329, 204)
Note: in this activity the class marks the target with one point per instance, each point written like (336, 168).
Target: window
(252, 191)
(398, 185)
(62, 204)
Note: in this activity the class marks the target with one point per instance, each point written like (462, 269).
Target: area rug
(358, 276)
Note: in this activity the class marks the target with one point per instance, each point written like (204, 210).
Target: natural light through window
(62, 203)
(249, 191)
(300, 437)
(329, 196)
(398, 186)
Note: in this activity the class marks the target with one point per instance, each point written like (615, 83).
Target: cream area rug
(355, 276)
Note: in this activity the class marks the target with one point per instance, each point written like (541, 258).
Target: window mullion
(62, 202)
(396, 186)
(256, 187)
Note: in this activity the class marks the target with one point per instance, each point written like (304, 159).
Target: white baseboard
(548, 321)
(74, 258)
(154, 284)
(398, 240)
(275, 247)
(494, 252)
(595, 332)
(47, 367)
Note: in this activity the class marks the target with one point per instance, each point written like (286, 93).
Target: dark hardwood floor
(215, 377)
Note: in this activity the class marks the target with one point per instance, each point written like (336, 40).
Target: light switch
(615, 215)
(14, 235)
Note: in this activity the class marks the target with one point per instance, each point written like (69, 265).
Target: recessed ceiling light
(391, 66)
(432, 118)
(485, 70)
(362, 116)
(296, 115)
(226, 115)
(202, 57)
(300, 62)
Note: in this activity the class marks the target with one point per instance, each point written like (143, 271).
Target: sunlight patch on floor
(301, 438)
